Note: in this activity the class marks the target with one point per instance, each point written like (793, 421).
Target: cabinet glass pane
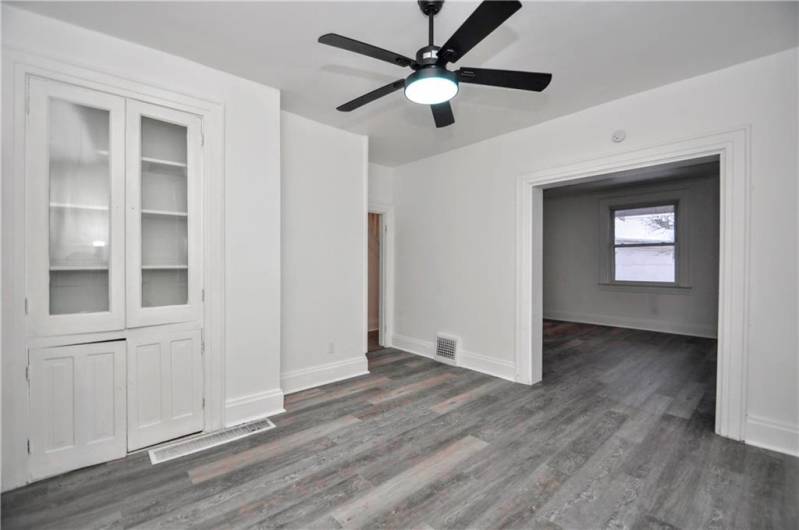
(164, 214)
(79, 208)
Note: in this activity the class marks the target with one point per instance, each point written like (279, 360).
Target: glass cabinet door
(76, 178)
(163, 221)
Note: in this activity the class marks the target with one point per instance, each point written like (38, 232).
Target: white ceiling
(596, 52)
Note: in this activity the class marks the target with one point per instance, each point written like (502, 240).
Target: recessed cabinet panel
(77, 406)
(145, 362)
(165, 386)
(163, 216)
(75, 182)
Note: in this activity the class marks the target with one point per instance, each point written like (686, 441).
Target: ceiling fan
(431, 83)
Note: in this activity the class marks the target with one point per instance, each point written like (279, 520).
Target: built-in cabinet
(113, 244)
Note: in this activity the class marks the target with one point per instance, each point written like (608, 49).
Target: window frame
(613, 245)
(609, 203)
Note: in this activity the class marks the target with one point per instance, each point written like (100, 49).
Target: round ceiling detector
(430, 86)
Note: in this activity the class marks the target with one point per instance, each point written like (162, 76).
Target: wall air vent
(446, 349)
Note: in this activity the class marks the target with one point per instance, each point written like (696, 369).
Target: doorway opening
(375, 280)
(631, 287)
(731, 148)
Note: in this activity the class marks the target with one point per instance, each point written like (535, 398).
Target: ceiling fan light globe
(431, 86)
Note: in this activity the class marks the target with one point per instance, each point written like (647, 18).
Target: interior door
(165, 386)
(75, 174)
(164, 230)
(77, 406)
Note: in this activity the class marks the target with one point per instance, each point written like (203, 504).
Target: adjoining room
(630, 276)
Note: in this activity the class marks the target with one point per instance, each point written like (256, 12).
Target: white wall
(456, 220)
(324, 253)
(252, 203)
(573, 246)
(381, 184)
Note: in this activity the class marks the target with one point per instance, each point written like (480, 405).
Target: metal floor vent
(206, 441)
(446, 348)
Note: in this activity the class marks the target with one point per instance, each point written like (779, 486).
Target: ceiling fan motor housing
(427, 56)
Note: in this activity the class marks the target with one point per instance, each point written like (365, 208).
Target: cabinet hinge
(28, 373)
(203, 402)
(26, 305)
(29, 446)
(202, 347)
(27, 95)
(202, 295)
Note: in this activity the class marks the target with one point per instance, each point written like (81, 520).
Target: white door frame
(732, 147)
(386, 326)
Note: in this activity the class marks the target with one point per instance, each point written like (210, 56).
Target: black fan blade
(486, 18)
(352, 45)
(442, 114)
(371, 96)
(505, 78)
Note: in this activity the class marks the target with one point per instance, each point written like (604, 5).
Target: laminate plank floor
(618, 435)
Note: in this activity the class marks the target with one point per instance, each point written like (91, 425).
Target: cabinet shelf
(161, 162)
(164, 267)
(168, 213)
(65, 268)
(70, 206)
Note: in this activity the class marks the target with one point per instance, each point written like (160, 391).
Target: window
(644, 244)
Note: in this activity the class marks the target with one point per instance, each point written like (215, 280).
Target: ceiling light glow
(431, 86)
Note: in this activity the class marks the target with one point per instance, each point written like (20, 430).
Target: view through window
(644, 244)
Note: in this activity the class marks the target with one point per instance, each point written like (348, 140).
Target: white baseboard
(646, 324)
(322, 374)
(413, 345)
(253, 407)
(488, 365)
(773, 435)
(466, 359)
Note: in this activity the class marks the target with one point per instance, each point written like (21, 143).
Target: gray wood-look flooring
(619, 435)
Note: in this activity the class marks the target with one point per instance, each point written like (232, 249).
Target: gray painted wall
(573, 245)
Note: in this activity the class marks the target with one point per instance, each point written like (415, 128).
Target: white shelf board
(162, 162)
(164, 267)
(58, 268)
(66, 205)
(164, 212)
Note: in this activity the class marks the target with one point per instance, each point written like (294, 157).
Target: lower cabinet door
(165, 385)
(77, 402)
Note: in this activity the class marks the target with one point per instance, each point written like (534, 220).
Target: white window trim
(680, 197)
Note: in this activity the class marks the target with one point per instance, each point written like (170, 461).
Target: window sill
(645, 287)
